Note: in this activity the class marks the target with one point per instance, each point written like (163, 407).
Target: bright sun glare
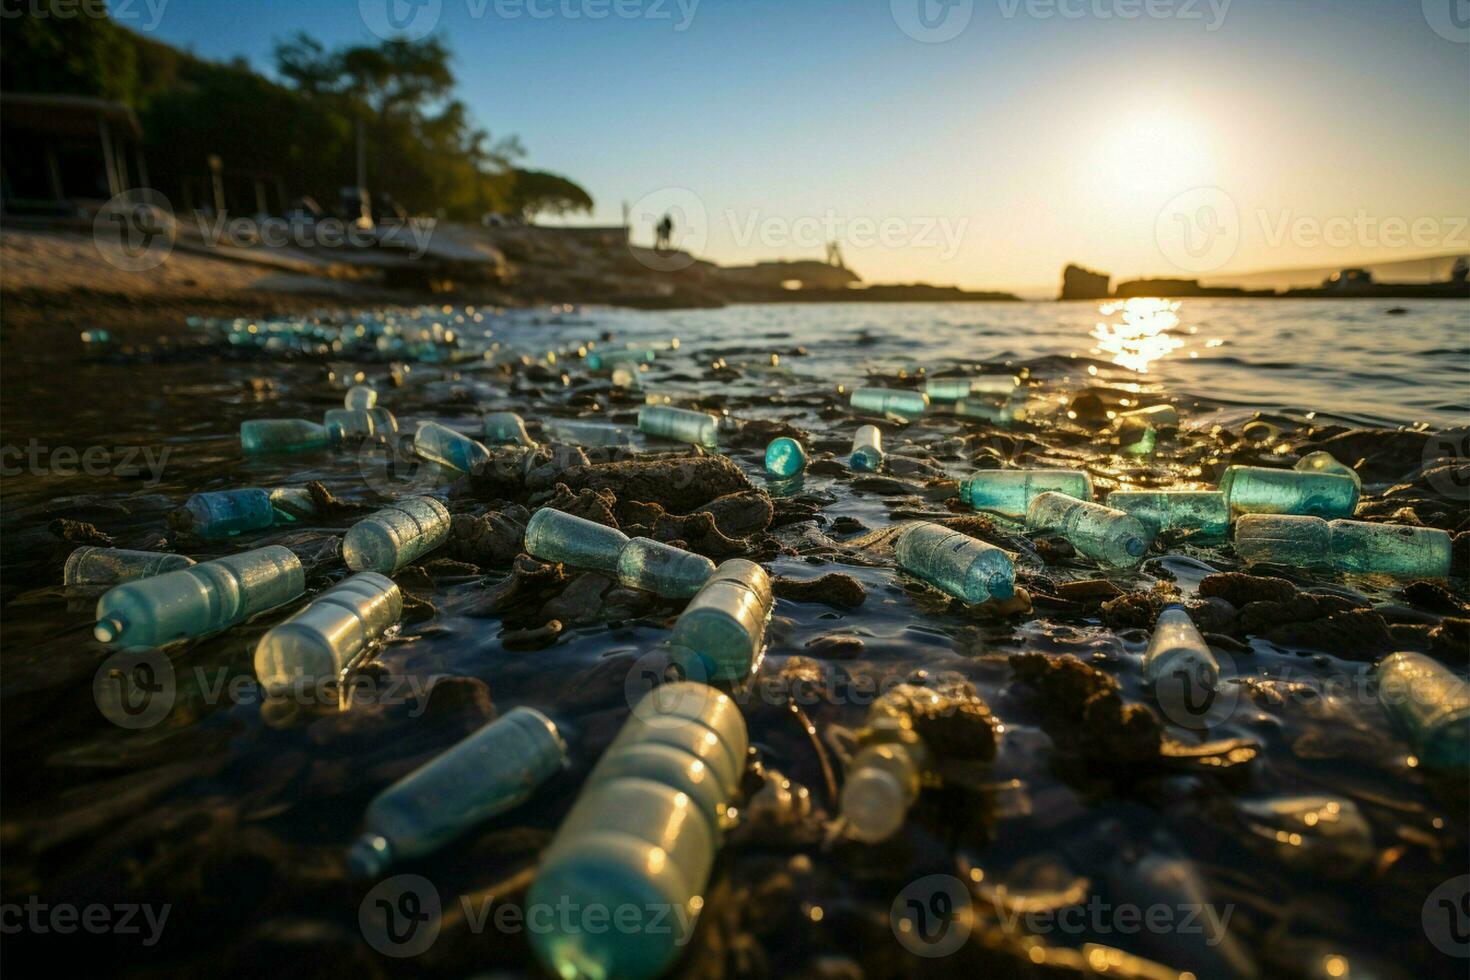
(1153, 154)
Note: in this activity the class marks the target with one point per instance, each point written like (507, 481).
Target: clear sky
(1142, 137)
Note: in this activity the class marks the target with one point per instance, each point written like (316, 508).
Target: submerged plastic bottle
(496, 769)
(113, 566)
(886, 774)
(1263, 490)
(1203, 511)
(946, 389)
(360, 396)
(282, 436)
(724, 625)
(223, 513)
(1101, 533)
(1325, 462)
(346, 426)
(441, 444)
(641, 838)
(1432, 705)
(1348, 546)
(1010, 492)
(890, 401)
(997, 410)
(507, 428)
(867, 449)
(580, 433)
(679, 424)
(1136, 437)
(206, 598)
(554, 536)
(1322, 834)
(330, 635)
(662, 569)
(785, 457)
(1177, 647)
(956, 563)
(400, 533)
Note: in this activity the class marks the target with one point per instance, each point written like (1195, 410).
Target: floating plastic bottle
(662, 569)
(398, 534)
(956, 563)
(1347, 546)
(1432, 705)
(890, 401)
(867, 449)
(1204, 512)
(724, 625)
(554, 536)
(1263, 490)
(330, 635)
(1325, 462)
(643, 839)
(1010, 492)
(496, 769)
(785, 457)
(507, 428)
(1001, 411)
(1177, 647)
(360, 396)
(113, 566)
(223, 513)
(579, 433)
(598, 360)
(206, 598)
(946, 389)
(282, 436)
(679, 424)
(1322, 834)
(348, 426)
(441, 444)
(1101, 533)
(885, 777)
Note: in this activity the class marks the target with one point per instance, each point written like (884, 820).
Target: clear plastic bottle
(507, 428)
(1101, 533)
(1325, 462)
(360, 396)
(293, 504)
(724, 625)
(867, 449)
(599, 360)
(890, 401)
(955, 563)
(496, 769)
(679, 424)
(1004, 411)
(330, 635)
(1284, 539)
(224, 513)
(1010, 492)
(114, 566)
(785, 457)
(210, 596)
(662, 569)
(554, 536)
(349, 426)
(441, 444)
(576, 432)
(1178, 647)
(1264, 490)
(1363, 547)
(946, 389)
(1204, 512)
(1322, 834)
(400, 533)
(885, 777)
(1432, 705)
(282, 436)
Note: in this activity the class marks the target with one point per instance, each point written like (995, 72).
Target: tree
(538, 192)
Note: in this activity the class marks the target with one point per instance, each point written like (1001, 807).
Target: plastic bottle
(1347, 546)
(554, 536)
(223, 513)
(1322, 834)
(330, 635)
(886, 774)
(507, 428)
(348, 426)
(360, 396)
(579, 433)
(1204, 512)
(496, 769)
(598, 360)
(867, 449)
(1432, 704)
(113, 566)
(1157, 416)
(282, 436)
(1137, 438)
(946, 389)
(724, 625)
(662, 569)
(643, 841)
(785, 457)
(441, 444)
(1325, 462)
(206, 598)
(400, 533)
(1263, 490)
(1010, 492)
(890, 401)
(292, 504)
(1177, 646)
(1001, 411)
(956, 563)
(1101, 533)
(679, 424)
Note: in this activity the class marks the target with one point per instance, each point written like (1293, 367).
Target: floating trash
(1204, 512)
(395, 536)
(1325, 835)
(1348, 546)
(259, 436)
(890, 401)
(884, 778)
(955, 563)
(662, 569)
(1325, 462)
(1431, 704)
(360, 396)
(1101, 533)
(1263, 490)
(867, 449)
(349, 426)
(724, 625)
(441, 444)
(679, 424)
(1010, 492)
(89, 566)
(331, 635)
(1177, 648)
(225, 513)
(507, 428)
(785, 457)
(562, 538)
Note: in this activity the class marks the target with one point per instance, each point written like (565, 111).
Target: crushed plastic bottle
(258, 436)
(349, 426)
(641, 842)
(890, 401)
(1363, 547)
(884, 778)
(88, 566)
(1177, 647)
(1101, 533)
(724, 625)
(579, 433)
(496, 769)
(1204, 512)
(360, 396)
(1431, 704)
(400, 533)
(441, 444)
(507, 428)
(554, 536)
(867, 449)
(1325, 462)
(1010, 492)
(190, 602)
(785, 457)
(1263, 490)
(1324, 835)
(331, 635)
(224, 513)
(662, 569)
(679, 424)
(956, 563)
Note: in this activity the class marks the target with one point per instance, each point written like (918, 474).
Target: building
(66, 154)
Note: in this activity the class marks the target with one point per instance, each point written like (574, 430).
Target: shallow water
(238, 816)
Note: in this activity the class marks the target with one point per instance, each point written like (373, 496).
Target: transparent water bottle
(1004, 411)
(785, 457)
(890, 401)
(724, 625)
(679, 424)
(89, 566)
(947, 389)
(496, 769)
(1263, 490)
(1010, 492)
(1323, 834)
(225, 513)
(1204, 512)
(867, 449)
(956, 563)
(1101, 533)
(1178, 647)
(330, 635)
(507, 428)
(282, 436)
(558, 537)
(441, 444)
(395, 536)
(1348, 546)
(209, 597)
(662, 569)
(1431, 704)
(349, 426)
(1325, 462)
(599, 360)
(360, 396)
(578, 433)
(884, 778)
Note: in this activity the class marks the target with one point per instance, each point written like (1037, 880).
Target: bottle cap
(874, 804)
(369, 856)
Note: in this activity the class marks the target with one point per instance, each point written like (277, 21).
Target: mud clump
(1083, 710)
(491, 540)
(590, 505)
(836, 589)
(78, 533)
(1238, 588)
(678, 484)
(955, 723)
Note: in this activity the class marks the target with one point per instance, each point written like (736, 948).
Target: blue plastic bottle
(224, 513)
(1010, 492)
(867, 449)
(441, 444)
(955, 563)
(330, 635)
(785, 457)
(724, 625)
(679, 424)
(395, 536)
(558, 537)
(282, 436)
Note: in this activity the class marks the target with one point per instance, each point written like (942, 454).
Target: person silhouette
(664, 233)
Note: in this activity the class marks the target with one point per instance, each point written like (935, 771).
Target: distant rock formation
(1080, 283)
(802, 274)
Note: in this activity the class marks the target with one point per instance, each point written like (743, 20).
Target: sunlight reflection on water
(1139, 332)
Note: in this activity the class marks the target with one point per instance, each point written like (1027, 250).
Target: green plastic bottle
(1010, 492)
(1432, 705)
(724, 625)
(1204, 512)
(1101, 533)
(890, 401)
(785, 457)
(1363, 547)
(554, 536)
(1263, 490)
(955, 563)
(679, 424)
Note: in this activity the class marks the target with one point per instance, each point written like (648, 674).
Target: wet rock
(836, 646)
(78, 533)
(1088, 590)
(601, 685)
(1136, 610)
(1083, 710)
(529, 585)
(464, 701)
(580, 602)
(1238, 588)
(1411, 636)
(1212, 615)
(1385, 453)
(537, 638)
(885, 486)
(1434, 597)
(417, 609)
(1450, 640)
(955, 722)
(909, 466)
(1357, 634)
(679, 484)
(848, 525)
(836, 589)
(739, 515)
(590, 505)
(491, 540)
(1054, 549)
(758, 433)
(695, 532)
(329, 506)
(448, 571)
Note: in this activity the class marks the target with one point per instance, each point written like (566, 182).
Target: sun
(1153, 154)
